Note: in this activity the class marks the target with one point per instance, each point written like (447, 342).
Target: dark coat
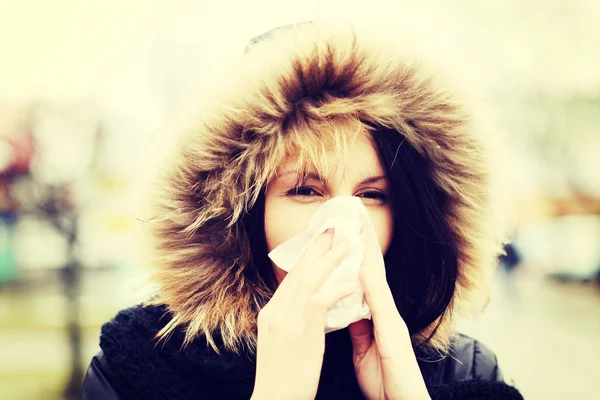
(132, 365)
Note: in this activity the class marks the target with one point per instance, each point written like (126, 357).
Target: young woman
(315, 111)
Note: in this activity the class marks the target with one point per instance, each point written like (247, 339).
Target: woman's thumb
(361, 334)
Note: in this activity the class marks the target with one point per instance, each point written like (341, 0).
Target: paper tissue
(345, 214)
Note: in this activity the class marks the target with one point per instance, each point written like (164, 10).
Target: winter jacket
(132, 366)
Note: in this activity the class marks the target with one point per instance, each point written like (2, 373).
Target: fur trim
(294, 91)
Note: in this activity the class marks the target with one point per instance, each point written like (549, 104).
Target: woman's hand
(384, 361)
(291, 327)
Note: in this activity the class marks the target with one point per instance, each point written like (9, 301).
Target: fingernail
(330, 230)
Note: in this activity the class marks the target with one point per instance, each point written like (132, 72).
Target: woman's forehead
(359, 159)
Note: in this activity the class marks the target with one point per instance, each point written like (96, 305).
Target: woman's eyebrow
(372, 179)
(316, 176)
(310, 175)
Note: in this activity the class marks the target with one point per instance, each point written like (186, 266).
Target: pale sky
(70, 49)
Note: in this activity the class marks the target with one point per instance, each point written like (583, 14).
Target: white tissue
(342, 213)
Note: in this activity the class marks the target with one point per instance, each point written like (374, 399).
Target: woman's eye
(374, 195)
(303, 191)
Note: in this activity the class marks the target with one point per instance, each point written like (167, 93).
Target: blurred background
(90, 92)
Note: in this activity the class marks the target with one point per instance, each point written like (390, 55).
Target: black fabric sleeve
(97, 384)
(475, 389)
(485, 363)
(470, 359)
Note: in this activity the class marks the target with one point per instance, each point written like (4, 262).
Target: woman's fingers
(378, 296)
(361, 334)
(321, 245)
(373, 258)
(319, 270)
(387, 322)
(291, 327)
(315, 265)
(325, 299)
(299, 274)
(372, 276)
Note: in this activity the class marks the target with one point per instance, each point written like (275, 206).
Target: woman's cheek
(383, 223)
(285, 219)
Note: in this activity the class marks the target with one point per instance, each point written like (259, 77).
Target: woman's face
(289, 207)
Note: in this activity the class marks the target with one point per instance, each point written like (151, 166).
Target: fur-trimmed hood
(296, 83)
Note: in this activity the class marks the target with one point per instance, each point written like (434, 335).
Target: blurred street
(35, 360)
(546, 335)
